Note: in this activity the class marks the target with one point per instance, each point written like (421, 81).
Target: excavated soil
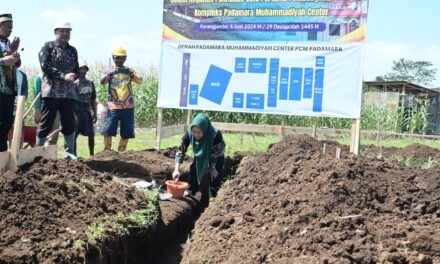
(418, 152)
(293, 204)
(46, 209)
(48, 206)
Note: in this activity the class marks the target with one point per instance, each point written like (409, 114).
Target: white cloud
(73, 15)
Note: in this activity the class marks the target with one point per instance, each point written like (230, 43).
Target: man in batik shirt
(59, 63)
(8, 83)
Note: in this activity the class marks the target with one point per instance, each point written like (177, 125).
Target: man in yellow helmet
(120, 100)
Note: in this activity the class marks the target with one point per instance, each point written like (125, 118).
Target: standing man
(59, 63)
(85, 110)
(37, 114)
(120, 100)
(8, 83)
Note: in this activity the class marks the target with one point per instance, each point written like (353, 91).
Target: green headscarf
(202, 148)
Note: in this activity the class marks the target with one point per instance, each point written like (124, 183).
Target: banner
(296, 79)
(263, 56)
(257, 20)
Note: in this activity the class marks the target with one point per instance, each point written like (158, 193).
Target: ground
(290, 204)
(293, 204)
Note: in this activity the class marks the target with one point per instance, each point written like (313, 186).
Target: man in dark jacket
(59, 63)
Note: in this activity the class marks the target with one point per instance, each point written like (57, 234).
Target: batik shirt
(86, 93)
(56, 62)
(7, 73)
(120, 92)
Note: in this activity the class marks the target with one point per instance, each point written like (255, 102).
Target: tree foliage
(419, 72)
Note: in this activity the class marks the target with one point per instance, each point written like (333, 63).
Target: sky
(395, 29)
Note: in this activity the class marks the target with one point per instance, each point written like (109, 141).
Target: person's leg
(56, 125)
(127, 128)
(217, 182)
(77, 115)
(193, 184)
(92, 145)
(204, 189)
(67, 116)
(49, 109)
(6, 119)
(110, 128)
(89, 131)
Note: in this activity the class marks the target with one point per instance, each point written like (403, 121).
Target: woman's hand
(176, 175)
(213, 172)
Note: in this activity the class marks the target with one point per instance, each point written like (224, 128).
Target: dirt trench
(48, 207)
(164, 243)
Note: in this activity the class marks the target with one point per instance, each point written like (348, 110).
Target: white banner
(299, 78)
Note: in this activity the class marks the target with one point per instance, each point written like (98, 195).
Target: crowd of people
(66, 97)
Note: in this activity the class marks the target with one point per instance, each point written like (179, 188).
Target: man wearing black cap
(59, 63)
(8, 84)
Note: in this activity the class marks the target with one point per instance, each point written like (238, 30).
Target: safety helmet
(120, 51)
(62, 24)
(84, 64)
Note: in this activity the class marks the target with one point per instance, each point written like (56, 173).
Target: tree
(419, 72)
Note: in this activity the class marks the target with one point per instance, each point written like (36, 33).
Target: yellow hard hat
(120, 51)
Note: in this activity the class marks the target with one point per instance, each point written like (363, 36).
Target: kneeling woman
(208, 148)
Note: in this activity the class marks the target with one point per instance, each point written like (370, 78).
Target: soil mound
(417, 152)
(46, 209)
(292, 204)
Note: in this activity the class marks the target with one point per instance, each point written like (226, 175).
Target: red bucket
(176, 189)
(29, 135)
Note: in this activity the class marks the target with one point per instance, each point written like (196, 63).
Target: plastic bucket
(29, 134)
(177, 189)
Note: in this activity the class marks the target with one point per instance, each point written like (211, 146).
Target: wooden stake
(357, 140)
(314, 131)
(338, 153)
(324, 148)
(380, 153)
(159, 127)
(352, 134)
(355, 136)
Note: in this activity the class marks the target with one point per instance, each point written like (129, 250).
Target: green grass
(95, 232)
(147, 140)
(121, 224)
(400, 143)
(234, 143)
